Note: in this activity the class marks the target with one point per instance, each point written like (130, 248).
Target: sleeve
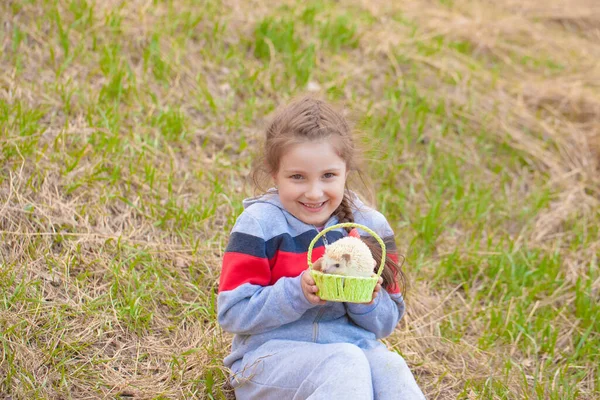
(387, 310)
(247, 304)
(381, 317)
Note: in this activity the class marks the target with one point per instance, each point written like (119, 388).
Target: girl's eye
(329, 175)
(296, 176)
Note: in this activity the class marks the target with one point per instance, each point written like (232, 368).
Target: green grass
(127, 132)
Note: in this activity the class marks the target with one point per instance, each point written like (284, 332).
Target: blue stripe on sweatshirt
(255, 246)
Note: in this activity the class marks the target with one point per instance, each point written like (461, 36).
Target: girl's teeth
(313, 205)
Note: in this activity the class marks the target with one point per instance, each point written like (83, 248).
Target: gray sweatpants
(281, 369)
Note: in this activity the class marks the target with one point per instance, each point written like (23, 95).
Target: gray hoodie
(260, 296)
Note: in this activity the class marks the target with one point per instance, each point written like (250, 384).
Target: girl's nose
(314, 192)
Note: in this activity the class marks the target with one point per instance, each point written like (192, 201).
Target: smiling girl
(288, 343)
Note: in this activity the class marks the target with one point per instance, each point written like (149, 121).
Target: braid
(392, 271)
(344, 212)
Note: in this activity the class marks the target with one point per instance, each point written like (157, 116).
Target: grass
(127, 130)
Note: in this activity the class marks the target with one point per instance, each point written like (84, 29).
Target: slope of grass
(127, 130)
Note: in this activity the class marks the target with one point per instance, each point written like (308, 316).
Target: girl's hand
(309, 288)
(375, 291)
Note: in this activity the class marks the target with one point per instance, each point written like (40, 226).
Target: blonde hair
(308, 118)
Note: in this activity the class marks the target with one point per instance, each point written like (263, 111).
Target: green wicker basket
(350, 289)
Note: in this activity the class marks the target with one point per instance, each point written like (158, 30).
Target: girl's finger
(306, 277)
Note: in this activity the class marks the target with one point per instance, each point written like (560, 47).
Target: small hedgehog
(348, 256)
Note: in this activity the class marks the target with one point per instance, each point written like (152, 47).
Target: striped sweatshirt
(260, 297)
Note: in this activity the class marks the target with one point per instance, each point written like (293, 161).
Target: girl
(290, 344)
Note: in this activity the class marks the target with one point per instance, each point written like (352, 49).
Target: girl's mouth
(313, 207)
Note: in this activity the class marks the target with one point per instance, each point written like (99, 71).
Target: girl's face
(311, 180)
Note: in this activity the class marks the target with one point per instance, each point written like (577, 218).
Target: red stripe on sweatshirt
(291, 264)
(240, 268)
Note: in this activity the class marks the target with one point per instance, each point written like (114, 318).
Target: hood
(272, 197)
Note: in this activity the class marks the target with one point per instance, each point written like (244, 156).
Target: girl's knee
(348, 351)
(397, 359)
(346, 358)
(345, 369)
(388, 360)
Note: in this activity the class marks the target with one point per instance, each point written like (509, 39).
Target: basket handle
(344, 225)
